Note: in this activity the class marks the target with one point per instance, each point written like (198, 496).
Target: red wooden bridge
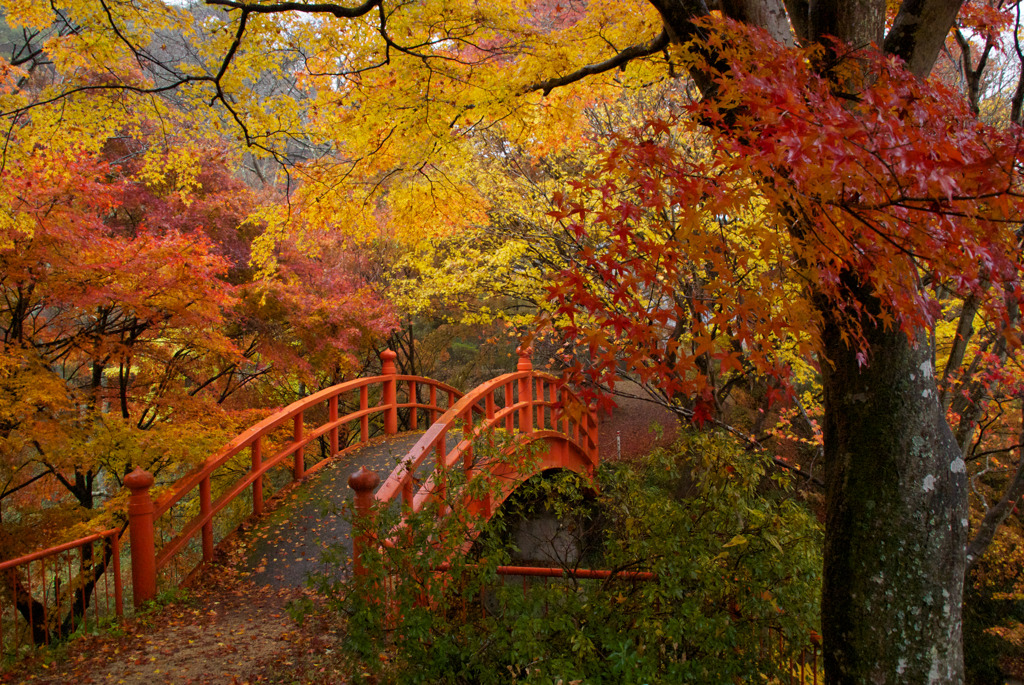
(50, 593)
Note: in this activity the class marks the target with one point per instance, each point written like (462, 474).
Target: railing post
(362, 482)
(510, 419)
(332, 416)
(525, 389)
(364, 420)
(414, 399)
(390, 399)
(467, 434)
(140, 525)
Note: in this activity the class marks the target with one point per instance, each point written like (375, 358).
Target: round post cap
(363, 480)
(525, 358)
(387, 359)
(139, 479)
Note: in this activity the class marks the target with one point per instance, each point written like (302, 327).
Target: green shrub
(734, 555)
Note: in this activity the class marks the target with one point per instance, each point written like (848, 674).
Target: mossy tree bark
(896, 516)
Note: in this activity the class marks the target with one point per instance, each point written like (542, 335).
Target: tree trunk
(896, 521)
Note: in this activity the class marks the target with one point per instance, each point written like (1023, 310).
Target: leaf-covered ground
(226, 630)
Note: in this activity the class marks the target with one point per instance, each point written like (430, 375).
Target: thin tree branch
(620, 60)
(998, 512)
(339, 11)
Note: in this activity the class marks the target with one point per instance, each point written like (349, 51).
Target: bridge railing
(51, 593)
(177, 532)
(292, 451)
(537, 405)
(525, 400)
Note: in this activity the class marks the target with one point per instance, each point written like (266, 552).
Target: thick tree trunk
(896, 526)
(896, 529)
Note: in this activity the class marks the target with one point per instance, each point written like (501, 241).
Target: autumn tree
(877, 189)
(892, 236)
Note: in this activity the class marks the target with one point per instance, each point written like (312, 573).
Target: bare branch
(620, 60)
(339, 11)
(998, 512)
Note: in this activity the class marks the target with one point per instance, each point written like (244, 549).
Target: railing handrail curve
(243, 440)
(57, 549)
(392, 486)
(406, 468)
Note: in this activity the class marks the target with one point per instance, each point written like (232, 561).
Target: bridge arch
(539, 410)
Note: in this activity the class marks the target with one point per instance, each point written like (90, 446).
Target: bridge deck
(286, 546)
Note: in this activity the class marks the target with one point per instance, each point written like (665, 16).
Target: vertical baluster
(407, 495)
(332, 416)
(81, 591)
(441, 475)
(364, 420)
(543, 388)
(95, 594)
(414, 400)
(205, 512)
(489, 410)
(556, 408)
(440, 452)
(510, 417)
(592, 425)
(96, 591)
(14, 598)
(552, 405)
(115, 542)
(526, 417)
(30, 594)
(433, 404)
(256, 452)
(46, 596)
(57, 608)
(467, 434)
(58, 598)
(298, 463)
